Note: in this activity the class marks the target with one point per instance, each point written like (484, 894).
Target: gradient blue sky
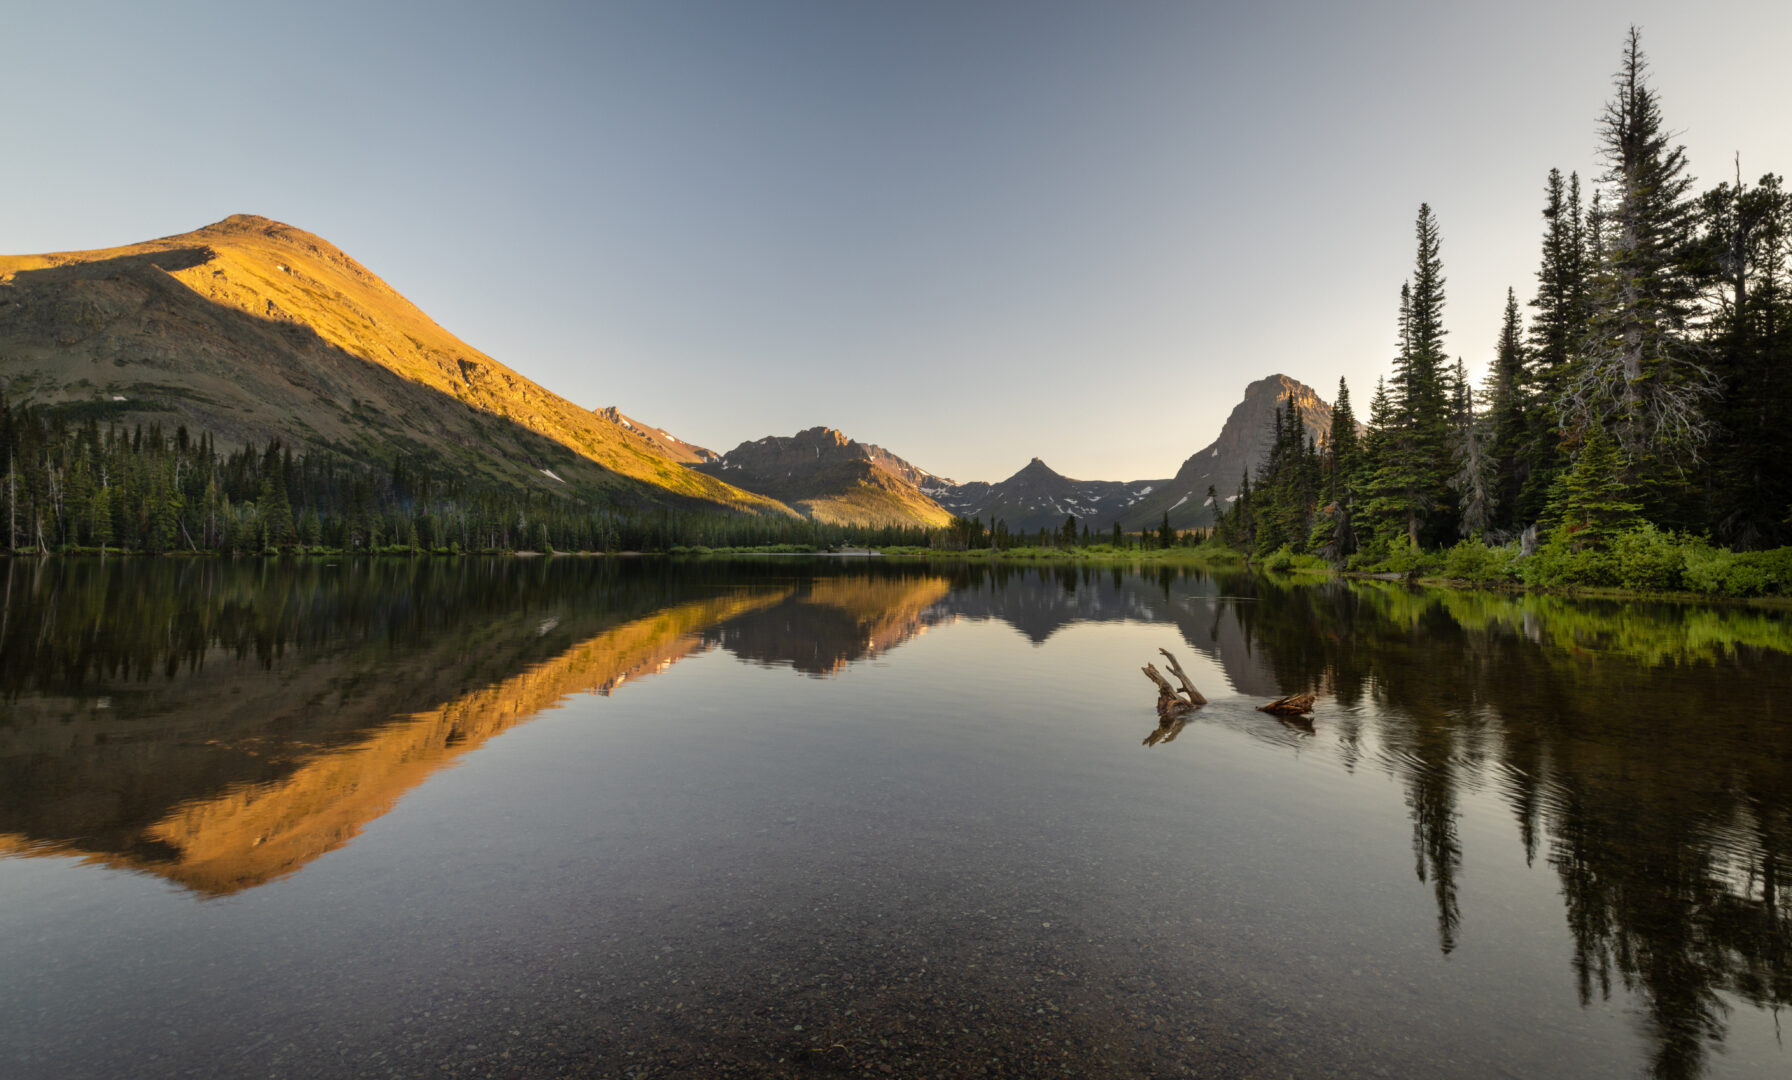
(970, 232)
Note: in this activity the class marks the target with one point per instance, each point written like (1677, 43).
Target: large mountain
(1037, 498)
(1243, 443)
(253, 330)
(826, 476)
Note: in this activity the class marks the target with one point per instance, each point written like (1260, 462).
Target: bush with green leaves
(1648, 558)
(1560, 562)
(1474, 561)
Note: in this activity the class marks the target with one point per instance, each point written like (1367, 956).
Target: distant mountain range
(253, 330)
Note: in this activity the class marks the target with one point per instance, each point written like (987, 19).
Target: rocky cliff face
(659, 439)
(1243, 444)
(253, 330)
(1036, 497)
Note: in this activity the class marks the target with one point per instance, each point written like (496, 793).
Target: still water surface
(790, 817)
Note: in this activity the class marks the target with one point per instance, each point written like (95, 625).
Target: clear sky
(970, 232)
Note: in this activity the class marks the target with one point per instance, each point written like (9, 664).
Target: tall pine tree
(1411, 480)
(1640, 377)
(1509, 423)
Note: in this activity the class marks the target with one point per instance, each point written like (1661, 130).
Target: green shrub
(1722, 572)
(1648, 558)
(1776, 565)
(1402, 559)
(1473, 560)
(1557, 564)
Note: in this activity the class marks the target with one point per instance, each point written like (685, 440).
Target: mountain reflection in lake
(1519, 834)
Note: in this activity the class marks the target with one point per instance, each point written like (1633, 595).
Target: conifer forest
(1628, 430)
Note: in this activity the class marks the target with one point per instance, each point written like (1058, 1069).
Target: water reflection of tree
(1633, 743)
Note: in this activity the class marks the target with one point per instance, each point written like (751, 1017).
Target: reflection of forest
(223, 723)
(262, 714)
(1637, 746)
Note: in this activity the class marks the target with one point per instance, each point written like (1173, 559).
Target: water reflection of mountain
(827, 623)
(228, 724)
(1640, 749)
(1040, 601)
(222, 724)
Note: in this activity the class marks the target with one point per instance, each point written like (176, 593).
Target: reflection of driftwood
(1171, 702)
(1292, 705)
(1173, 705)
(1166, 731)
(1302, 724)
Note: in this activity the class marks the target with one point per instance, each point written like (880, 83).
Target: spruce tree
(1640, 377)
(1410, 482)
(1342, 449)
(1560, 302)
(1509, 423)
(1474, 478)
(1744, 261)
(1596, 500)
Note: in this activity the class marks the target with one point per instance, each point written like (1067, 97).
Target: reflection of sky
(968, 813)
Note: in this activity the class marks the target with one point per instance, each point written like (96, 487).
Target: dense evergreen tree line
(1645, 395)
(969, 533)
(73, 485)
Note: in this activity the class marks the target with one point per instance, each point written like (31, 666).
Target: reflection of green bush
(1650, 632)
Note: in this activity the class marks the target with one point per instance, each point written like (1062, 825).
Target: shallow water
(783, 817)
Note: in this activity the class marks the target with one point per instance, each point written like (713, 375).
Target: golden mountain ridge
(251, 329)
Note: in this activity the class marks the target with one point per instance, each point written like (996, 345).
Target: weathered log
(1163, 684)
(1170, 704)
(1188, 686)
(1292, 705)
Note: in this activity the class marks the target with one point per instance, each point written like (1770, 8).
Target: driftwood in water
(1292, 705)
(1188, 687)
(1171, 702)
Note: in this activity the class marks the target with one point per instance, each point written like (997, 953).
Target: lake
(790, 816)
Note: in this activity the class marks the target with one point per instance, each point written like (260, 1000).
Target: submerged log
(1292, 705)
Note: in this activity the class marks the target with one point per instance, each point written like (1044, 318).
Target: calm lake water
(798, 817)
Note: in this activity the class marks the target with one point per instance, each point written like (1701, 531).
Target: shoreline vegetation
(1656, 571)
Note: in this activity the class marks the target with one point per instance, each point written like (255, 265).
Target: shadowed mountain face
(253, 330)
(1243, 444)
(831, 478)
